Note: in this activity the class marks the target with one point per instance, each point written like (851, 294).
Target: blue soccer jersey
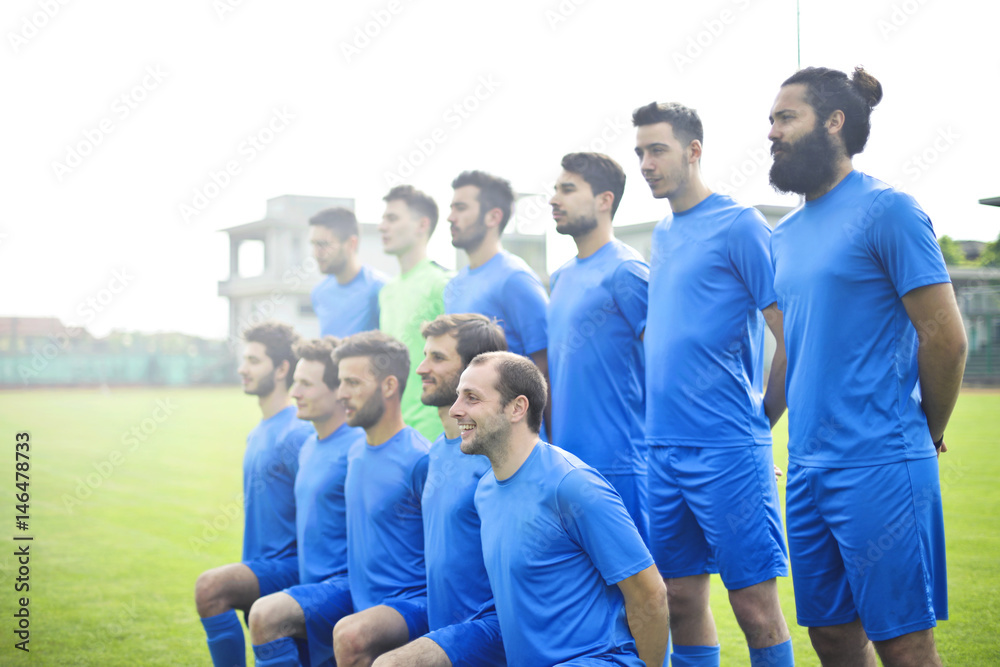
(385, 531)
(270, 464)
(320, 508)
(452, 542)
(344, 310)
(556, 541)
(710, 277)
(507, 289)
(842, 263)
(597, 315)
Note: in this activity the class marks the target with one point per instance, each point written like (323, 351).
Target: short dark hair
(321, 349)
(517, 376)
(340, 221)
(494, 192)
(278, 340)
(828, 90)
(386, 355)
(418, 202)
(685, 121)
(474, 333)
(601, 173)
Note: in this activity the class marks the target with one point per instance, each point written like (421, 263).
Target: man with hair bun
(876, 352)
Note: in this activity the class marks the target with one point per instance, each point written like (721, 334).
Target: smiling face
(480, 414)
(440, 371)
(257, 370)
(574, 207)
(360, 392)
(468, 227)
(316, 402)
(400, 229)
(663, 159)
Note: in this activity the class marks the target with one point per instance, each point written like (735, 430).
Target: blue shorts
(274, 574)
(868, 543)
(622, 659)
(716, 510)
(413, 611)
(632, 489)
(323, 604)
(475, 643)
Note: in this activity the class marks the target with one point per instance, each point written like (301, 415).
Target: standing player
(385, 533)
(460, 610)
(876, 352)
(416, 295)
(309, 610)
(596, 321)
(713, 499)
(573, 581)
(496, 283)
(269, 560)
(346, 301)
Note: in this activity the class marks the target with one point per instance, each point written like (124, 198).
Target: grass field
(134, 492)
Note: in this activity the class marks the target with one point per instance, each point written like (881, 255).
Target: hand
(942, 448)
(778, 473)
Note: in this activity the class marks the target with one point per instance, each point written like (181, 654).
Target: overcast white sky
(169, 93)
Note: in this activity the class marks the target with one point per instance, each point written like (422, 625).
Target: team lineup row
(647, 380)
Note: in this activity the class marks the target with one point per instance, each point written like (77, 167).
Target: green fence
(49, 367)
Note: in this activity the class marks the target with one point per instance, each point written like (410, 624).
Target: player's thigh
(373, 631)
(676, 540)
(732, 493)
(274, 574)
(421, 652)
(475, 643)
(233, 586)
(822, 592)
(883, 518)
(323, 605)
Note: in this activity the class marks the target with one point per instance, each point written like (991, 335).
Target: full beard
(805, 166)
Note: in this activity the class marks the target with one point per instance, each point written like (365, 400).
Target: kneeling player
(269, 467)
(573, 580)
(385, 480)
(310, 610)
(460, 610)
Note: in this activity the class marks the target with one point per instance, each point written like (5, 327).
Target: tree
(952, 251)
(991, 254)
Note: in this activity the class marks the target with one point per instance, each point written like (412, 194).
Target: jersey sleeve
(630, 288)
(418, 476)
(525, 309)
(749, 245)
(595, 518)
(901, 237)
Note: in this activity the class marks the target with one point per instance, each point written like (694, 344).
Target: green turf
(120, 539)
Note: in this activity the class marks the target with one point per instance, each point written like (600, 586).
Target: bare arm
(941, 353)
(541, 359)
(774, 395)
(646, 610)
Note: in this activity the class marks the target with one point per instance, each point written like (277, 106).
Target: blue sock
(282, 652)
(225, 639)
(773, 656)
(695, 656)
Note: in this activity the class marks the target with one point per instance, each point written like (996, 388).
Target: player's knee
(348, 640)
(683, 599)
(832, 641)
(264, 621)
(207, 592)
